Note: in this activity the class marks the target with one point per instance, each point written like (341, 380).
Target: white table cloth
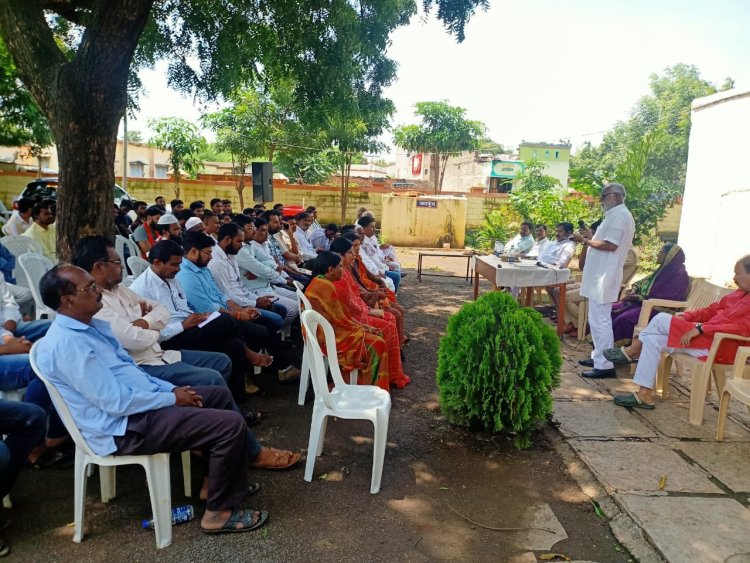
(525, 273)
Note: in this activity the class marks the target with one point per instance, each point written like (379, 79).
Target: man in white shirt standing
(602, 274)
(21, 219)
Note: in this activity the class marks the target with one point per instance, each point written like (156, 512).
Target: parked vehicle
(46, 188)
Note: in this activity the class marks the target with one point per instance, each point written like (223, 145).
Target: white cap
(167, 219)
(192, 222)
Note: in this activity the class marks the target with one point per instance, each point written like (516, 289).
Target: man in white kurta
(602, 274)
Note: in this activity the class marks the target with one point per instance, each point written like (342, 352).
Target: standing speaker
(262, 181)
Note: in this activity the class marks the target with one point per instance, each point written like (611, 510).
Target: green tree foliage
(21, 121)
(648, 152)
(443, 132)
(540, 198)
(185, 143)
(497, 366)
(333, 50)
(307, 166)
(135, 136)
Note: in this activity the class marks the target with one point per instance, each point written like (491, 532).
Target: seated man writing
(122, 410)
(183, 332)
(690, 333)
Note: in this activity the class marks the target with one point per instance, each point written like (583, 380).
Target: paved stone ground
(688, 493)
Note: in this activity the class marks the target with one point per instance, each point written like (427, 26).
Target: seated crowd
(177, 348)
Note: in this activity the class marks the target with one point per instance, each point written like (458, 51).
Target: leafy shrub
(497, 366)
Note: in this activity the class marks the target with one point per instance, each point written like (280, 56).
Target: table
(524, 274)
(468, 258)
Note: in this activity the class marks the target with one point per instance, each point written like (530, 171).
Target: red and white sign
(416, 164)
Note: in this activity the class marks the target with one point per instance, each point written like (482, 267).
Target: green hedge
(497, 366)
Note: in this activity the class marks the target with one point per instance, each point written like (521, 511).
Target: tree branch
(32, 46)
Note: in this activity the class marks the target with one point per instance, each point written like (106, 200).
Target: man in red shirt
(691, 333)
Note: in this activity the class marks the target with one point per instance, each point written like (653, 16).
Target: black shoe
(599, 373)
(587, 363)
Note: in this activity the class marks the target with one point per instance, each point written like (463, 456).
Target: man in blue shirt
(204, 296)
(122, 410)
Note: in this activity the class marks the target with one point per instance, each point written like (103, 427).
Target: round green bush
(497, 366)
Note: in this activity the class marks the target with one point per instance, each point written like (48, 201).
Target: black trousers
(220, 335)
(216, 429)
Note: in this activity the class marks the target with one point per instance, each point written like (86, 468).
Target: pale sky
(543, 70)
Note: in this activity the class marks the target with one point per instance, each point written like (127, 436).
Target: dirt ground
(433, 471)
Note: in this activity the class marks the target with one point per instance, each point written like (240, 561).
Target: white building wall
(715, 207)
(558, 170)
(461, 173)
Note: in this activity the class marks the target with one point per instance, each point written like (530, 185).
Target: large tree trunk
(83, 99)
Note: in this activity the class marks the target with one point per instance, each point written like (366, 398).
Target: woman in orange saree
(348, 292)
(357, 346)
(370, 292)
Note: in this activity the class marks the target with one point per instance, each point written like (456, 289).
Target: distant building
(144, 161)
(556, 158)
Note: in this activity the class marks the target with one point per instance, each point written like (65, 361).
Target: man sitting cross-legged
(203, 295)
(122, 410)
(691, 332)
(137, 322)
(183, 332)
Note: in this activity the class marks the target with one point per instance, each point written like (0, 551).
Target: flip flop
(281, 460)
(239, 516)
(631, 400)
(618, 356)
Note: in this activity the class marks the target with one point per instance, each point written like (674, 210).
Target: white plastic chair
(19, 245)
(137, 265)
(34, 266)
(304, 379)
(156, 467)
(363, 402)
(737, 387)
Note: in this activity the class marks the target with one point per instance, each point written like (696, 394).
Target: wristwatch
(699, 328)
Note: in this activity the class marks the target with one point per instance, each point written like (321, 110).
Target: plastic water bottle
(511, 258)
(180, 514)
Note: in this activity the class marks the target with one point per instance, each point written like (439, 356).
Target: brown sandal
(280, 459)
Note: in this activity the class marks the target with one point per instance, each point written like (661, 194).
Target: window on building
(557, 154)
(533, 154)
(546, 155)
(161, 170)
(136, 170)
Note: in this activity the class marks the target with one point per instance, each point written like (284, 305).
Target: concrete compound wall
(325, 198)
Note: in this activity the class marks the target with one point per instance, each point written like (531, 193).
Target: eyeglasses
(91, 288)
(118, 262)
(605, 196)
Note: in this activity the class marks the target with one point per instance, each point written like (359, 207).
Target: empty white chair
(19, 245)
(364, 402)
(137, 265)
(34, 266)
(156, 467)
